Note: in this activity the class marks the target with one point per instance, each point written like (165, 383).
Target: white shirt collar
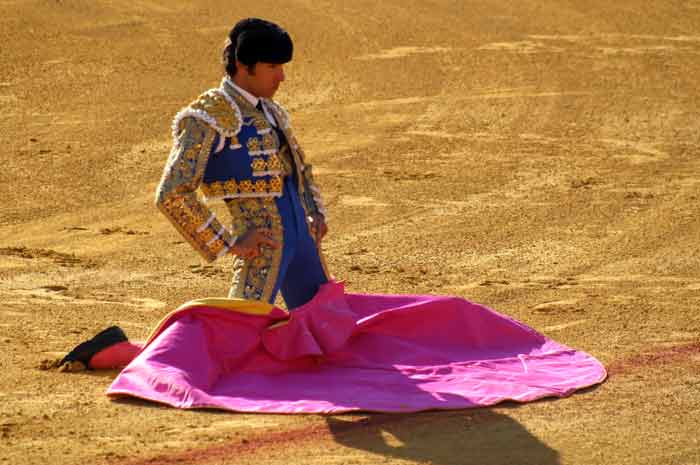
(252, 99)
(246, 95)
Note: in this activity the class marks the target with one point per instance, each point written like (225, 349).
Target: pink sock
(116, 356)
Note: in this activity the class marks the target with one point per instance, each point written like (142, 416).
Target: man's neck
(249, 97)
(241, 88)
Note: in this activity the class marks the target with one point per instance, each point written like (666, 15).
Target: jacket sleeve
(176, 196)
(312, 192)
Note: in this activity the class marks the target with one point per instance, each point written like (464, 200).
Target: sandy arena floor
(538, 157)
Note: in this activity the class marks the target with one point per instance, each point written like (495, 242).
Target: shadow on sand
(464, 437)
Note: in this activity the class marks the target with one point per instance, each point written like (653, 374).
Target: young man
(235, 144)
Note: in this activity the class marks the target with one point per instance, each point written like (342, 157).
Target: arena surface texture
(540, 158)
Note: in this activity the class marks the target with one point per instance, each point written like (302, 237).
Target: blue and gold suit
(225, 149)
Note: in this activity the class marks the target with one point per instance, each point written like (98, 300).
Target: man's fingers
(264, 240)
(247, 253)
(319, 229)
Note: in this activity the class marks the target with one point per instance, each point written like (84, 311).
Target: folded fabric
(346, 352)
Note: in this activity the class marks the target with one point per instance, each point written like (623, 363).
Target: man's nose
(280, 76)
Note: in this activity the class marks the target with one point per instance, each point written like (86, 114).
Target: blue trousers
(301, 272)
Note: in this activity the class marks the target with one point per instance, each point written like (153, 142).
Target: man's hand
(318, 227)
(248, 245)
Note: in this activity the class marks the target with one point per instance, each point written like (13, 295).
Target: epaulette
(281, 114)
(215, 108)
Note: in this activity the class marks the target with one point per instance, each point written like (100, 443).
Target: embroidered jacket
(225, 149)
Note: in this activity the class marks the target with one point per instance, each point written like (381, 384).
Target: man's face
(263, 79)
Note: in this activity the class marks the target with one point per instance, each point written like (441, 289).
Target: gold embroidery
(230, 189)
(274, 255)
(238, 224)
(266, 165)
(213, 190)
(258, 164)
(176, 194)
(217, 246)
(269, 142)
(207, 235)
(256, 278)
(250, 205)
(273, 162)
(260, 123)
(214, 104)
(285, 161)
(253, 144)
(276, 184)
(261, 186)
(230, 186)
(192, 152)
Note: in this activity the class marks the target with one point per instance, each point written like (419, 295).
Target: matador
(235, 144)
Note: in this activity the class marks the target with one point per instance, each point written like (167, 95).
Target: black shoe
(84, 351)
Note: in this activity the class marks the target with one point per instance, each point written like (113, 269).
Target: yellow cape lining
(249, 307)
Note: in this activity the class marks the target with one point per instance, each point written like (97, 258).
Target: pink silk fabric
(347, 352)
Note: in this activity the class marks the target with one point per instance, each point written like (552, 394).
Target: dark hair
(252, 40)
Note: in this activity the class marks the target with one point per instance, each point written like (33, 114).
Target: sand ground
(538, 157)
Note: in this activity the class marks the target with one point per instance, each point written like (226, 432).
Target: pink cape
(344, 352)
